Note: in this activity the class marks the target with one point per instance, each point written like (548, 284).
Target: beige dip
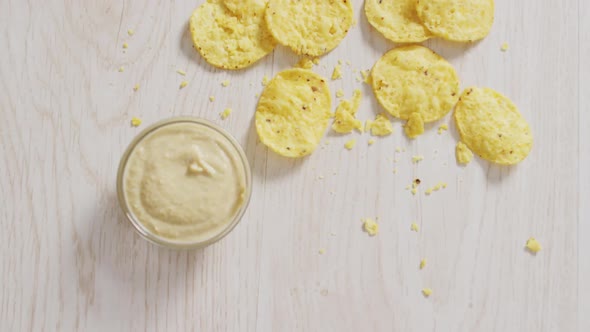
(185, 182)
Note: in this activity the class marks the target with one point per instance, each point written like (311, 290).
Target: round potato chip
(240, 7)
(293, 112)
(492, 127)
(229, 41)
(397, 20)
(309, 27)
(414, 79)
(457, 20)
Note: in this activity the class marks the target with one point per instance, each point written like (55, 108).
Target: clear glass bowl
(170, 243)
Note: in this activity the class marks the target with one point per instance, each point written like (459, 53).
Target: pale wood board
(71, 262)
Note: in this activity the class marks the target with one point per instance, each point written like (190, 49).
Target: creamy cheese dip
(185, 182)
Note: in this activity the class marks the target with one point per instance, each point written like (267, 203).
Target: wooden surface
(70, 262)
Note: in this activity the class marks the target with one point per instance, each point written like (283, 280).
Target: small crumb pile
(344, 117)
(381, 126)
(437, 187)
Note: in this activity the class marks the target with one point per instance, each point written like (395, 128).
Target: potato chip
(245, 7)
(293, 112)
(414, 79)
(492, 127)
(229, 41)
(415, 125)
(397, 20)
(344, 118)
(457, 20)
(309, 27)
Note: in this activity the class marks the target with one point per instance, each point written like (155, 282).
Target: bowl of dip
(184, 183)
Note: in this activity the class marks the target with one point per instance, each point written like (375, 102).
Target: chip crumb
(371, 141)
(414, 227)
(257, 95)
(344, 117)
(316, 61)
(320, 177)
(211, 98)
(428, 191)
(350, 144)
(348, 63)
(305, 63)
(181, 72)
(370, 226)
(417, 159)
(339, 93)
(135, 122)
(533, 246)
(136, 87)
(322, 251)
(504, 47)
(442, 128)
(463, 153)
(130, 32)
(415, 125)
(265, 80)
(426, 292)
(125, 45)
(395, 171)
(121, 69)
(414, 191)
(225, 113)
(337, 73)
(381, 126)
(183, 84)
(422, 263)
(398, 150)
(225, 83)
(365, 75)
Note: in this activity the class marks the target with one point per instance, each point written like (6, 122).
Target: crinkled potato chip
(309, 27)
(397, 20)
(241, 7)
(457, 20)
(229, 41)
(293, 112)
(414, 79)
(492, 127)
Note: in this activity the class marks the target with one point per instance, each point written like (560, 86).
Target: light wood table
(71, 262)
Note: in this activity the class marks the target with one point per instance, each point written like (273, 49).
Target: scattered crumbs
(371, 141)
(350, 144)
(414, 191)
(444, 185)
(125, 45)
(415, 125)
(265, 80)
(136, 87)
(414, 227)
(339, 93)
(121, 69)
(135, 122)
(324, 292)
(417, 159)
(320, 177)
(181, 72)
(423, 264)
(428, 191)
(348, 62)
(533, 246)
(337, 73)
(426, 292)
(305, 63)
(415, 185)
(322, 251)
(395, 171)
(211, 98)
(365, 75)
(504, 47)
(344, 117)
(130, 32)
(225, 113)
(381, 126)
(370, 226)
(225, 83)
(340, 62)
(463, 154)
(183, 84)
(442, 128)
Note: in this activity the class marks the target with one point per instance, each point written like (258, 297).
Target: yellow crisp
(339, 93)
(370, 226)
(422, 263)
(533, 245)
(427, 292)
(135, 122)
(397, 20)
(309, 27)
(457, 20)
(381, 126)
(125, 45)
(344, 117)
(463, 154)
(225, 113)
(442, 128)
(350, 144)
(492, 127)
(227, 40)
(293, 112)
(305, 63)
(415, 126)
(136, 87)
(337, 73)
(414, 79)
(414, 227)
(225, 83)
(183, 84)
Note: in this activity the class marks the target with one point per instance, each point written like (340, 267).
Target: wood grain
(70, 262)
